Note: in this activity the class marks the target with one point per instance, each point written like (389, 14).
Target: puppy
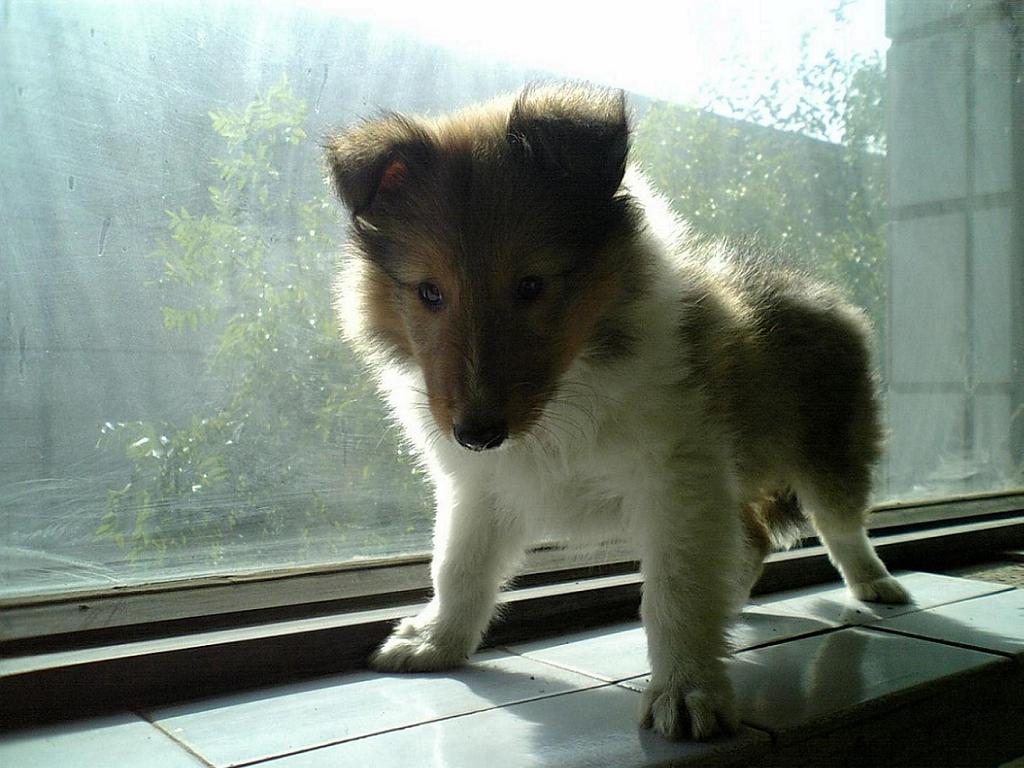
(569, 360)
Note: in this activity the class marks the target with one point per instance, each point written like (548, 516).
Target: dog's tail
(775, 521)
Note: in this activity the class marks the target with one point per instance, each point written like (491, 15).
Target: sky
(671, 49)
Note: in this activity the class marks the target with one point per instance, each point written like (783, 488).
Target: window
(175, 402)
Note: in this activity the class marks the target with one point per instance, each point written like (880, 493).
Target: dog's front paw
(677, 710)
(413, 647)
(882, 590)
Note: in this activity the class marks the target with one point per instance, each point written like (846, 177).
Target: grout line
(178, 742)
(792, 638)
(430, 721)
(995, 652)
(617, 680)
(999, 589)
(564, 668)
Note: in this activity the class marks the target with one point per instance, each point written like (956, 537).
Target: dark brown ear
(375, 158)
(573, 132)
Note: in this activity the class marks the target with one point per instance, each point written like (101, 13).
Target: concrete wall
(956, 144)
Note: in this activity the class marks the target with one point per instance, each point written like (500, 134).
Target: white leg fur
(840, 526)
(864, 573)
(474, 549)
(690, 554)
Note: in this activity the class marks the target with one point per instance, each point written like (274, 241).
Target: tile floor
(808, 663)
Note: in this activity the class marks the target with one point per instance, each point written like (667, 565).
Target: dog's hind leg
(837, 507)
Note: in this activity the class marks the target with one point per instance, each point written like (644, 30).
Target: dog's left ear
(573, 132)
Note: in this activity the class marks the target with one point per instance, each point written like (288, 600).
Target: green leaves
(247, 278)
(821, 203)
(274, 116)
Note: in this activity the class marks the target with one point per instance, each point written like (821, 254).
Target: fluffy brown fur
(567, 358)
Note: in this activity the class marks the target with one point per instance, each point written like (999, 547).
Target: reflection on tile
(597, 727)
(121, 740)
(994, 622)
(814, 679)
(234, 729)
(620, 651)
(832, 603)
(785, 685)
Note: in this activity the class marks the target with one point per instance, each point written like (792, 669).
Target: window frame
(75, 654)
(374, 583)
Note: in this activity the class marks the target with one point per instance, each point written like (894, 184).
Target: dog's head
(489, 247)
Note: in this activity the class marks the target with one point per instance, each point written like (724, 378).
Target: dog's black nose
(480, 437)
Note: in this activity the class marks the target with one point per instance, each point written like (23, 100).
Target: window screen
(174, 399)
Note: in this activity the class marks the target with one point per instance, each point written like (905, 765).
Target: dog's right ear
(374, 161)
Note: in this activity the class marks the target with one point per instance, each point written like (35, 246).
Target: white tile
(590, 728)
(284, 719)
(807, 682)
(993, 622)
(812, 679)
(761, 624)
(112, 742)
(618, 652)
(607, 653)
(832, 603)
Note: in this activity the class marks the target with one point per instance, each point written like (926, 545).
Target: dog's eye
(430, 295)
(530, 288)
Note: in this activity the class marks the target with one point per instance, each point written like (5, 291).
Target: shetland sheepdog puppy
(570, 361)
